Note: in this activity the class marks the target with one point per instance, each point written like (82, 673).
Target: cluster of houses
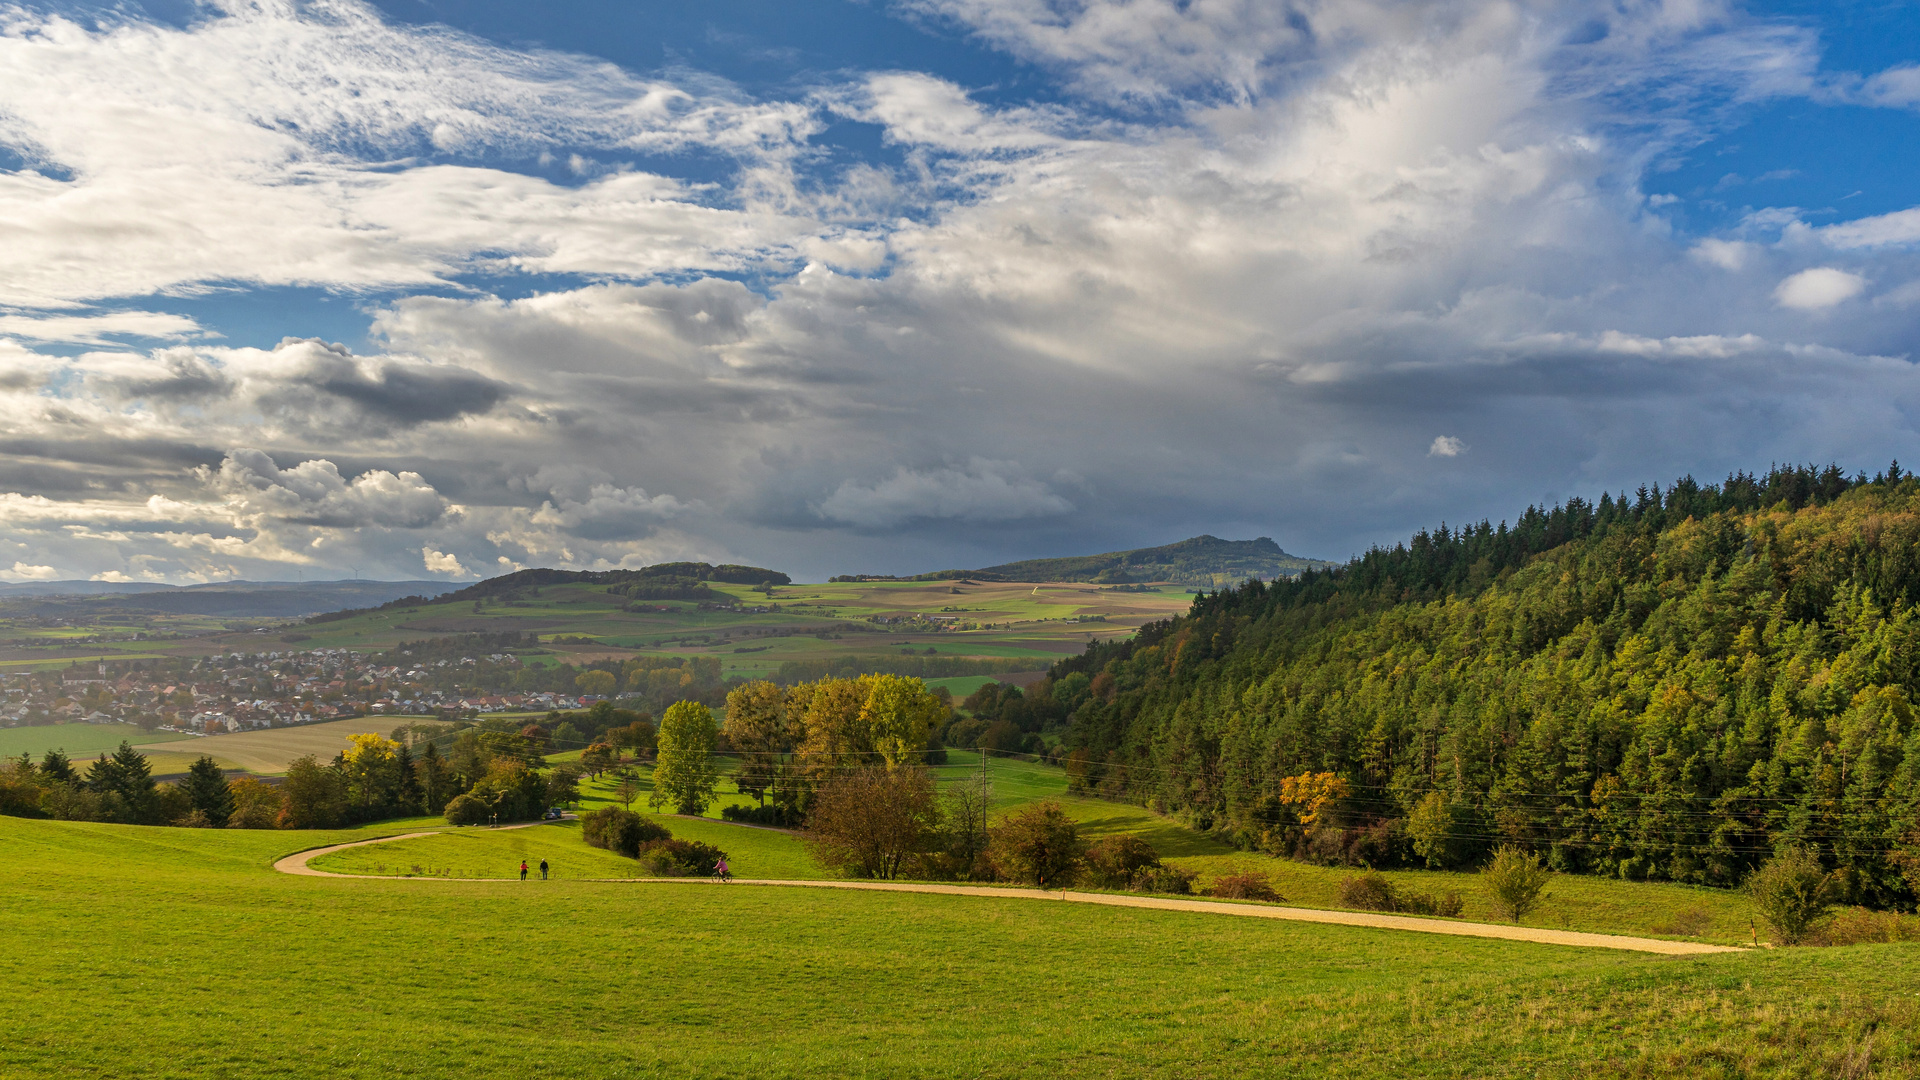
(247, 691)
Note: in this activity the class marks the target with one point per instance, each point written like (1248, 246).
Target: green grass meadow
(1590, 904)
(180, 953)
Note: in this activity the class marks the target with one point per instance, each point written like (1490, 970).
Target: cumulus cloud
(314, 493)
(1818, 288)
(439, 562)
(23, 572)
(1446, 446)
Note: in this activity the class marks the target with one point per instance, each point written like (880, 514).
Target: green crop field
(78, 740)
(180, 953)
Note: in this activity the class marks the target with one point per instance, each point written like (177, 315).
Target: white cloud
(439, 562)
(255, 169)
(1725, 254)
(982, 490)
(1897, 87)
(1899, 227)
(99, 329)
(314, 493)
(1818, 288)
(23, 572)
(1304, 231)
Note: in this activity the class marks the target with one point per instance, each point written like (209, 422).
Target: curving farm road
(297, 864)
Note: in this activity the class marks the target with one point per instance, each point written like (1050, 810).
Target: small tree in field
(1040, 845)
(1516, 881)
(628, 788)
(869, 822)
(1792, 892)
(684, 776)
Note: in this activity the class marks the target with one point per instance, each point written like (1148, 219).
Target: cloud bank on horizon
(310, 288)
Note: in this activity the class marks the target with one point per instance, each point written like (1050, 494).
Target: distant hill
(1205, 561)
(233, 599)
(662, 581)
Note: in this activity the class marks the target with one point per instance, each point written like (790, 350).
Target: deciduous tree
(869, 822)
(684, 775)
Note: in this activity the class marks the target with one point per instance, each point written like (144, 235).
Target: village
(247, 691)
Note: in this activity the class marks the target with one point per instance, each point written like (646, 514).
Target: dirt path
(297, 864)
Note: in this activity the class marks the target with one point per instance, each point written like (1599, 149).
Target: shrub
(1792, 892)
(1040, 845)
(620, 831)
(1373, 892)
(1516, 881)
(678, 858)
(468, 810)
(72, 802)
(1244, 887)
(771, 814)
(1164, 879)
(1114, 863)
(1858, 926)
(1447, 905)
(1369, 892)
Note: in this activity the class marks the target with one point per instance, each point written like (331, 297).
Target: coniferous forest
(1669, 685)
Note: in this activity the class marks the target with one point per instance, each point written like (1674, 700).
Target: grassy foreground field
(179, 953)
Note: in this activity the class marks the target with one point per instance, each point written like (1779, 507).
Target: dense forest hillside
(1667, 685)
(1206, 561)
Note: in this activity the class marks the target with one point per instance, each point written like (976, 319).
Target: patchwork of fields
(1040, 623)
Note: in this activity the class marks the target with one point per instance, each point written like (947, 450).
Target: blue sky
(446, 289)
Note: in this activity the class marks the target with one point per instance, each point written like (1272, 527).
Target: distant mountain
(1206, 561)
(235, 599)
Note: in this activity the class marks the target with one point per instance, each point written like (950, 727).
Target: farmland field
(268, 751)
(1032, 622)
(234, 970)
(78, 740)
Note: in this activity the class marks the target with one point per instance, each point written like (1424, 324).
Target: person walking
(523, 869)
(543, 869)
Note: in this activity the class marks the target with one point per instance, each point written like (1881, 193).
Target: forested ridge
(1667, 685)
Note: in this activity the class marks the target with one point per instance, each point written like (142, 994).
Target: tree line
(1671, 685)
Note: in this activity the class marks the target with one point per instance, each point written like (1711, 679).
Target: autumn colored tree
(314, 796)
(1039, 845)
(869, 822)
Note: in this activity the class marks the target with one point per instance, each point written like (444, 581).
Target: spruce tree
(206, 785)
(55, 766)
